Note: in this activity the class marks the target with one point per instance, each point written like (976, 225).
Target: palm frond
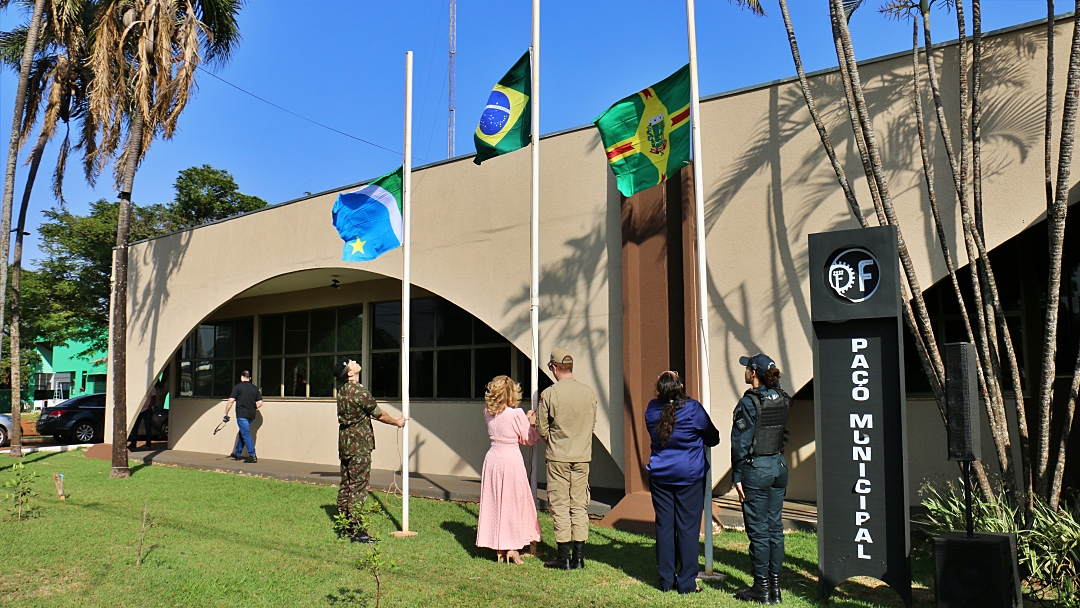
(900, 9)
(61, 168)
(754, 6)
(850, 6)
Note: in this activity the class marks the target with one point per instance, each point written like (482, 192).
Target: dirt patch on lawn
(25, 585)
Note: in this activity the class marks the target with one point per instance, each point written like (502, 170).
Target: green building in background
(65, 373)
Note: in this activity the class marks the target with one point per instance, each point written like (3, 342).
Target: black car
(82, 420)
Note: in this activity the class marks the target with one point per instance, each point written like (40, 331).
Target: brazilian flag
(647, 135)
(505, 125)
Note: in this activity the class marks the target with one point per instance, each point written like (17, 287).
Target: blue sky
(342, 63)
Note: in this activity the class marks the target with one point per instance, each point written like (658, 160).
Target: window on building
(453, 355)
(213, 356)
(297, 350)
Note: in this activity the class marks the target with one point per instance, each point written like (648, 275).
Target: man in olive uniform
(760, 473)
(565, 418)
(356, 407)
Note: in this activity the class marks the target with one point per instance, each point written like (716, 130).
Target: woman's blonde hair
(502, 392)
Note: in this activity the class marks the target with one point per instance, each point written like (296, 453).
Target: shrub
(21, 484)
(1048, 550)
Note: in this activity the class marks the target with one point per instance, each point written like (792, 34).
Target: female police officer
(760, 473)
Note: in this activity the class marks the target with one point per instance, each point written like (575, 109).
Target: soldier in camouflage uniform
(356, 408)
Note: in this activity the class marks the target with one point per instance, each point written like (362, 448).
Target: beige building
(268, 291)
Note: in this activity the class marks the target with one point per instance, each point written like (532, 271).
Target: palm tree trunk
(118, 328)
(848, 57)
(1048, 138)
(804, 83)
(16, 276)
(984, 482)
(976, 114)
(13, 149)
(1056, 227)
(860, 141)
(1063, 443)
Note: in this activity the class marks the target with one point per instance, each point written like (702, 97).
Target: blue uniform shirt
(682, 459)
(742, 431)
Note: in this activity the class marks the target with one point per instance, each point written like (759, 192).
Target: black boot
(562, 560)
(774, 588)
(577, 561)
(759, 593)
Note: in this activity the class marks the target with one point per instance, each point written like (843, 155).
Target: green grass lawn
(230, 540)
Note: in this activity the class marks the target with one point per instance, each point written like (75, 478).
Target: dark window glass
(187, 349)
(455, 326)
(223, 377)
(296, 333)
(270, 377)
(245, 330)
(322, 376)
(271, 334)
(204, 379)
(205, 341)
(211, 357)
(223, 340)
(386, 331)
(422, 374)
(187, 379)
(384, 375)
(455, 378)
(489, 362)
(486, 335)
(423, 323)
(323, 323)
(296, 377)
(239, 366)
(350, 329)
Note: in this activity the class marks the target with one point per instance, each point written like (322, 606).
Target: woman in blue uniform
(680, 429)
(760, 473)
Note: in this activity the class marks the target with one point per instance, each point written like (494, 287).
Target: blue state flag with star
(369, 219)
(506, 125)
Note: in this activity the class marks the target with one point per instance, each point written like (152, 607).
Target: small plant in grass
(147, 523)
(21, 485)
(373, 560)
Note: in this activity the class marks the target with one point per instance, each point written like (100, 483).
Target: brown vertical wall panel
(659, 324)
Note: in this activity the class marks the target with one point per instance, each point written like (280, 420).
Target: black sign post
(860, 409)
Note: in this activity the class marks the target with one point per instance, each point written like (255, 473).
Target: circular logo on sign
(853, 274)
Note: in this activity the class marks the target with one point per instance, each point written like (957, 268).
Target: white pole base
(404, 533)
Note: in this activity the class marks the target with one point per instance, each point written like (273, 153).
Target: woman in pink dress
(507, 513)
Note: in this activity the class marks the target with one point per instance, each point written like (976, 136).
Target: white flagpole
(534, 289)
(702, 272)
(406, 283)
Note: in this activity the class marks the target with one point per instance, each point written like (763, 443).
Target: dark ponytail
(669, 390)
(770, 377)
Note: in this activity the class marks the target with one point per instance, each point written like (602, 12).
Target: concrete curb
(50, 448)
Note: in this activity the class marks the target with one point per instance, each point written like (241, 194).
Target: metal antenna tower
(453, 95)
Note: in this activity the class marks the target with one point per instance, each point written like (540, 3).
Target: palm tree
(1055, 215)
(9, 188)
(144, 56)
(58, 79)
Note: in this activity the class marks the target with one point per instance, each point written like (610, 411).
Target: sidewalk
(726, 510)
(440, 487)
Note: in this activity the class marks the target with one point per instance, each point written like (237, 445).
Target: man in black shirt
(248, 399)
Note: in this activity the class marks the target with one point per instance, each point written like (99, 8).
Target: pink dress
(507, 512)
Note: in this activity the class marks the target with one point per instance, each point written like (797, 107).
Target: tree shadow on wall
(1011, 129)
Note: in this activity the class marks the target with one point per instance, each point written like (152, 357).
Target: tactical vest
(772, 415)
